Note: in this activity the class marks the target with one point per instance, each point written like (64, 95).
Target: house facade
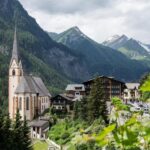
(62, 103)
(131, 93)
(39, 129)
(75, 91)
(27, 93)
(111, 87)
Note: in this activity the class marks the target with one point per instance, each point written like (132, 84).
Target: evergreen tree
(26, 135)
(97, 105)
(14, 137)
(1, 131)
(7, 133)
(76, 110)
(83, 109)
(17, 133)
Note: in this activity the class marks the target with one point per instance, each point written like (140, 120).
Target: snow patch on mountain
(116, 39)
(145, 46)
(112, 38)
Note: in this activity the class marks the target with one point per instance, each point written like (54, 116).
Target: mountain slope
(34, 40)
(53, 35)
(116, 41)
(130, 47)
(101, 59)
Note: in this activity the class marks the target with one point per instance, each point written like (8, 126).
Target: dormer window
(13, 73)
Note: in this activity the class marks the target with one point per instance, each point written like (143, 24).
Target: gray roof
(132, 85)
(15, 48)
(72, 87)
(34, 85)
(39, 123)
(64, 96)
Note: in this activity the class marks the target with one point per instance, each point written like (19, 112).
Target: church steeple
(15, 48)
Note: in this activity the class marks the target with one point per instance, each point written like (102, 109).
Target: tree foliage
(97, 102)
(14, 135)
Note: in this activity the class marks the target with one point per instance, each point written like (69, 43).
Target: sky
(99, 19)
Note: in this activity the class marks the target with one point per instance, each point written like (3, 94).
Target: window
(20, 73)
(20, 103)
(77, 93)
(13, 72)
(27, 103)
(38, 130)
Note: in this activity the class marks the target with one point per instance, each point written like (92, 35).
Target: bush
(65, 135)
(82, 147)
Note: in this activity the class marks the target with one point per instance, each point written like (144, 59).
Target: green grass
(40, 145)
(62, 132)
(69, 133)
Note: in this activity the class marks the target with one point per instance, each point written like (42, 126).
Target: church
(27, 93)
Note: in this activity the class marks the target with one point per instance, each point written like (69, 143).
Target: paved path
(53, 145)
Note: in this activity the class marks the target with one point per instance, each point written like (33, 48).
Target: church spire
(15, 47)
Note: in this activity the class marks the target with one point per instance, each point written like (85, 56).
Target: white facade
(15, 72)
(131, 93)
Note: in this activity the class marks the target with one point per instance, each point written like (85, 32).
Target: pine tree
(7, 133)
(83, 109)
(17, 133)
(76, 110)
(97, 105)
(1, 130)
(26, 136)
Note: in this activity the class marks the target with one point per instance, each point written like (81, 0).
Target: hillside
(101, 59)
(34, 40)
(34, 44)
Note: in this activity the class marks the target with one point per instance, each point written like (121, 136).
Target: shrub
(82, 147)
(65, 135)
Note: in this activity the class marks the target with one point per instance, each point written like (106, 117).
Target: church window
(13, 73)
(20, 103)
(20, 73)
(27, 103)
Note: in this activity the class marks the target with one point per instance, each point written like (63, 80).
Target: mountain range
(99, 58)
(130, 47)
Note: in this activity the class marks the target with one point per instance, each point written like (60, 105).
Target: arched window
(13, 73)
(20, 103)
(27, 103)
(20, 73)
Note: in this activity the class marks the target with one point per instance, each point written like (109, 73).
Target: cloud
(96, 18)
(66, 6)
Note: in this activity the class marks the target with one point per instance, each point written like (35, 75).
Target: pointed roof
(15, 47)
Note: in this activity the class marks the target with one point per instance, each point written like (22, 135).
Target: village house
(65, 102)
(111, 87)
(131, 92)
(26, 92)
(39, 129)
(62, 103)
(76, 91)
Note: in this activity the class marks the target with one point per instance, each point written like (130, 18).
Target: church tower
(15, 72)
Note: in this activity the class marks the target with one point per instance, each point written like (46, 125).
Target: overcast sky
(98, 19)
